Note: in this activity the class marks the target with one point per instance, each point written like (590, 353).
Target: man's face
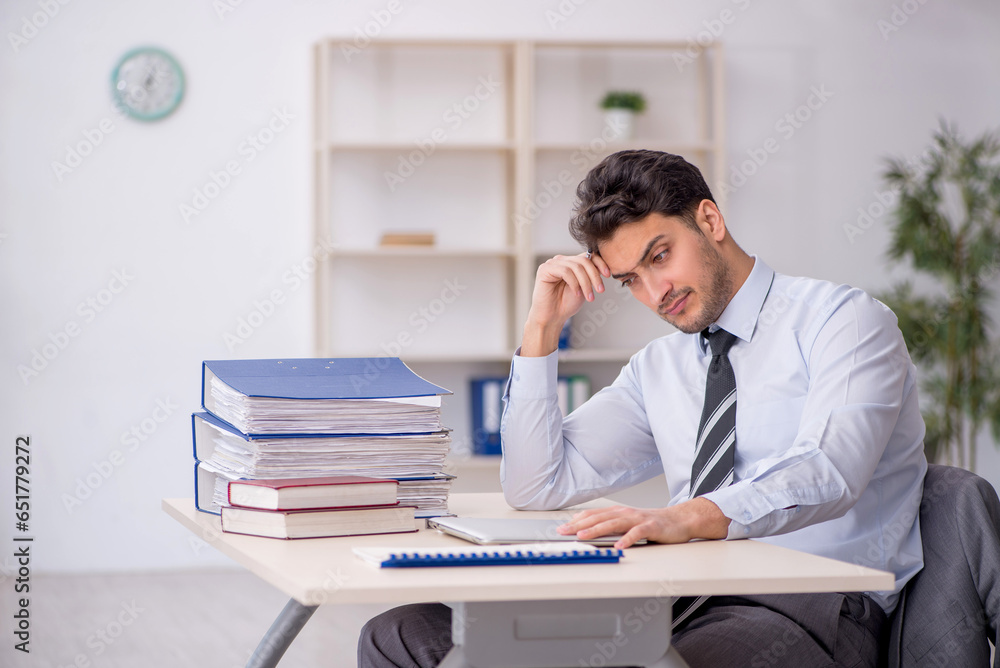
(673, 269)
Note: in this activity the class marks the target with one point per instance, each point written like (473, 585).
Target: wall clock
(147, 83)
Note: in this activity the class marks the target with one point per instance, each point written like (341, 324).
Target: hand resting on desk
(697, 518)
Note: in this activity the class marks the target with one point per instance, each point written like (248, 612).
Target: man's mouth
(676, 307)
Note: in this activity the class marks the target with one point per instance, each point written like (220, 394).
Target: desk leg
(272, 646)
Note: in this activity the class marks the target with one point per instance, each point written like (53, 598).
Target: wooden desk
(318, 571)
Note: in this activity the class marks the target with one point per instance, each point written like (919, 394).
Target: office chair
(950, 610)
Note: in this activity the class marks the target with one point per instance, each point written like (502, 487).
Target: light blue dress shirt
(829, 437)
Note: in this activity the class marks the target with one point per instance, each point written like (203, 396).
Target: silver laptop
(505, 531)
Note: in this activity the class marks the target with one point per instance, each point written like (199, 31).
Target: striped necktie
(716, 445)
(714, 453)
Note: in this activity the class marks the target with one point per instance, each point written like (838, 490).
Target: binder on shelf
(478, 555)
(573, 392)
(487, 408)
(566, 335)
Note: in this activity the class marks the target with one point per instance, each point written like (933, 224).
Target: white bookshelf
(487, 142)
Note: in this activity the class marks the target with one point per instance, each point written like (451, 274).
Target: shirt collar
(740, 316)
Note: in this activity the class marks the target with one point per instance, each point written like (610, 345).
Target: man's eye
(627, 282)
(659, 257)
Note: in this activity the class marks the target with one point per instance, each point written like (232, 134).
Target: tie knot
(720, 341)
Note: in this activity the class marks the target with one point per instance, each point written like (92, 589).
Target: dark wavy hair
(627, 186)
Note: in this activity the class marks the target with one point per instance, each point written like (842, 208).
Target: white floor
(176, 620)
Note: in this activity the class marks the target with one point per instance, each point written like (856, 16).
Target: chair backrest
(949, 611)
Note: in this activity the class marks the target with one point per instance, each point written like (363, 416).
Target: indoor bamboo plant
(947, 226)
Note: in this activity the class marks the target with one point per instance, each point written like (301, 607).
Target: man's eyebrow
(655, 240)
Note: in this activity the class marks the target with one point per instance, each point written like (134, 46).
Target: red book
(318, 523)
(301, 493)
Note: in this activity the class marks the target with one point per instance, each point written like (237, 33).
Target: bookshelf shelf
(483, 144)
(422, 252)
(497, 357)
(430, 147)
(597, 355)
(612, 146)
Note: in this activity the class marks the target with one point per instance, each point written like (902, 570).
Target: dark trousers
(793, 630)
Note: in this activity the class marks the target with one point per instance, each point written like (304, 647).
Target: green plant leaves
(947, 225)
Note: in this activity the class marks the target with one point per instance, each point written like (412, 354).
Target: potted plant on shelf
(620, 109)
(948, 227)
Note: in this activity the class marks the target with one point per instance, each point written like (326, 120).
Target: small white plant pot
(620, 124)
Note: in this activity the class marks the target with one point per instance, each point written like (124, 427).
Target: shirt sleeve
(858, 380)
(550, 462)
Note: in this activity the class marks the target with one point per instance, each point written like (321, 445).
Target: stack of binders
(294, 418)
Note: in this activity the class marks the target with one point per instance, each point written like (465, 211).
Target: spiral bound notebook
(480, 555)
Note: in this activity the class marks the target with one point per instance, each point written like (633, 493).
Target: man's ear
(710, 220)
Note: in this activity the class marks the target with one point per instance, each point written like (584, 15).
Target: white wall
(62, 241)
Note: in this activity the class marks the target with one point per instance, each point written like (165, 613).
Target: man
(785, 409)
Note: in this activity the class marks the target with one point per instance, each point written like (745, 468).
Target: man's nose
(657, 290)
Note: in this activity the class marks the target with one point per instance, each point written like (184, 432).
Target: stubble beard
(714, 296)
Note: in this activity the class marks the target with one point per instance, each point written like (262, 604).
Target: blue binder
(320, 378)
(315, 383)
(487, 408)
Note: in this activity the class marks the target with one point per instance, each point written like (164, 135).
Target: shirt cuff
(753, 514)
(743, 506)
(533, 377)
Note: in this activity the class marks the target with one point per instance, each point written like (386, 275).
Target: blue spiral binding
(497, 558)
